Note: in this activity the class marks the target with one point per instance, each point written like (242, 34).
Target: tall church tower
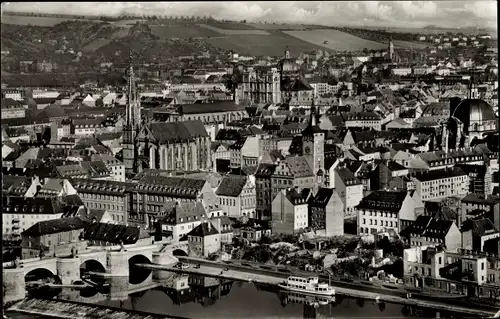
(132, 122)
(391, 49)
(313, 146)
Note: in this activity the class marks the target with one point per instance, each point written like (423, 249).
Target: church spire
(133, 111)
(312, 119)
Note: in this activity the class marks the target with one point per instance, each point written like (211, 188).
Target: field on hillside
(265, 26)
(273, 44)
(234, 32)
(436, 31)
(39, 21)
(337, 40)
(127, 23)
(230, 25)
(409, 45)
(182, 32)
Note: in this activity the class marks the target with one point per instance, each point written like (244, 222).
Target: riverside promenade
(236, 272)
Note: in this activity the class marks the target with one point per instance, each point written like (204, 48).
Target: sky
(447, 14)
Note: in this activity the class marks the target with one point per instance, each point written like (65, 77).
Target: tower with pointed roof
(391, 49)
(132, 122)
(313, 145)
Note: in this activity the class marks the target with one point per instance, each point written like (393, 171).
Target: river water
(202, 297)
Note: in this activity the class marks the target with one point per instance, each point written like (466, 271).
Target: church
(176, 146)
(470, 119)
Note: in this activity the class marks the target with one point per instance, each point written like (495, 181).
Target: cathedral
(470, 119)
(179, 146)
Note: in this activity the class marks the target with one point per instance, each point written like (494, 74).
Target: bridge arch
(179, 252)
(41, 273)
(138, 275)
(91, 265)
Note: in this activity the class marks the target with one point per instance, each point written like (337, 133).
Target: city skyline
(446, 14)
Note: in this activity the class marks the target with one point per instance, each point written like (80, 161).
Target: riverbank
(75, 310)
(271, 277)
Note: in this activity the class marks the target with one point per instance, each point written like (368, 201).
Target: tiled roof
(36, 205)
(182, 212)
(214, 107)
(96, 168)
(383, 200)
(178, 131)
(427, 226)
(394, 166)
(177, 187)
(101, 187)
(113, 233)
(203, 229)
(298, 166)
(478, 199)
(298, 198)
(347, 177)
(231, 185)
(322, 197)
(439, 174)
(479, 227)
(265, 170)
(55, 226)
(15, 185)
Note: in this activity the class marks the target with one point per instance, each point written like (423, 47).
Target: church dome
(474, 112)
(288, 65)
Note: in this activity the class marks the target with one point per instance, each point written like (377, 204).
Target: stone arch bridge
(114, 261)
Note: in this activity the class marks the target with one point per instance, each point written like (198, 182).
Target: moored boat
(309, 285)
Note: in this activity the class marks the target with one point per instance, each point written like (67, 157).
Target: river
(202, 297)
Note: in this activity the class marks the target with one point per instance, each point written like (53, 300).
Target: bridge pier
(118, 263)
(163, 258)
(68, 269)
(14, 282)
(118, 288)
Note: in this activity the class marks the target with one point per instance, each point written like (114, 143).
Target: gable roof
(383, 200)
(55, 226)
(178, 131)
(427, 226)
(298, 166)
(231, 185)
(114, 233)
(479, 227)
(203, 229)
(182, 212)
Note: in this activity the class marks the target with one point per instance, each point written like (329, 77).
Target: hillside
(158, 39)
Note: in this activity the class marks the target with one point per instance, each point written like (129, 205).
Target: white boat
(308, 285)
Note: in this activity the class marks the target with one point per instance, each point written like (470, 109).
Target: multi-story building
(349, 188)
(177, 219)
(204, 240)
(383, 211)
(292, 172)
(364, 120)
(114, 165)
(439, 184)
(259, 85)
(111, 196)
(432, 269)
(52, 236)
(290, 211)
(236, 195)
(13, 109)
(263, 190)
(326, 217)
(480, 235)
(150, 194)
(20, 213)
(427, 230)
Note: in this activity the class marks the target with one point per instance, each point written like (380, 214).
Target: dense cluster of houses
(415, 161)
